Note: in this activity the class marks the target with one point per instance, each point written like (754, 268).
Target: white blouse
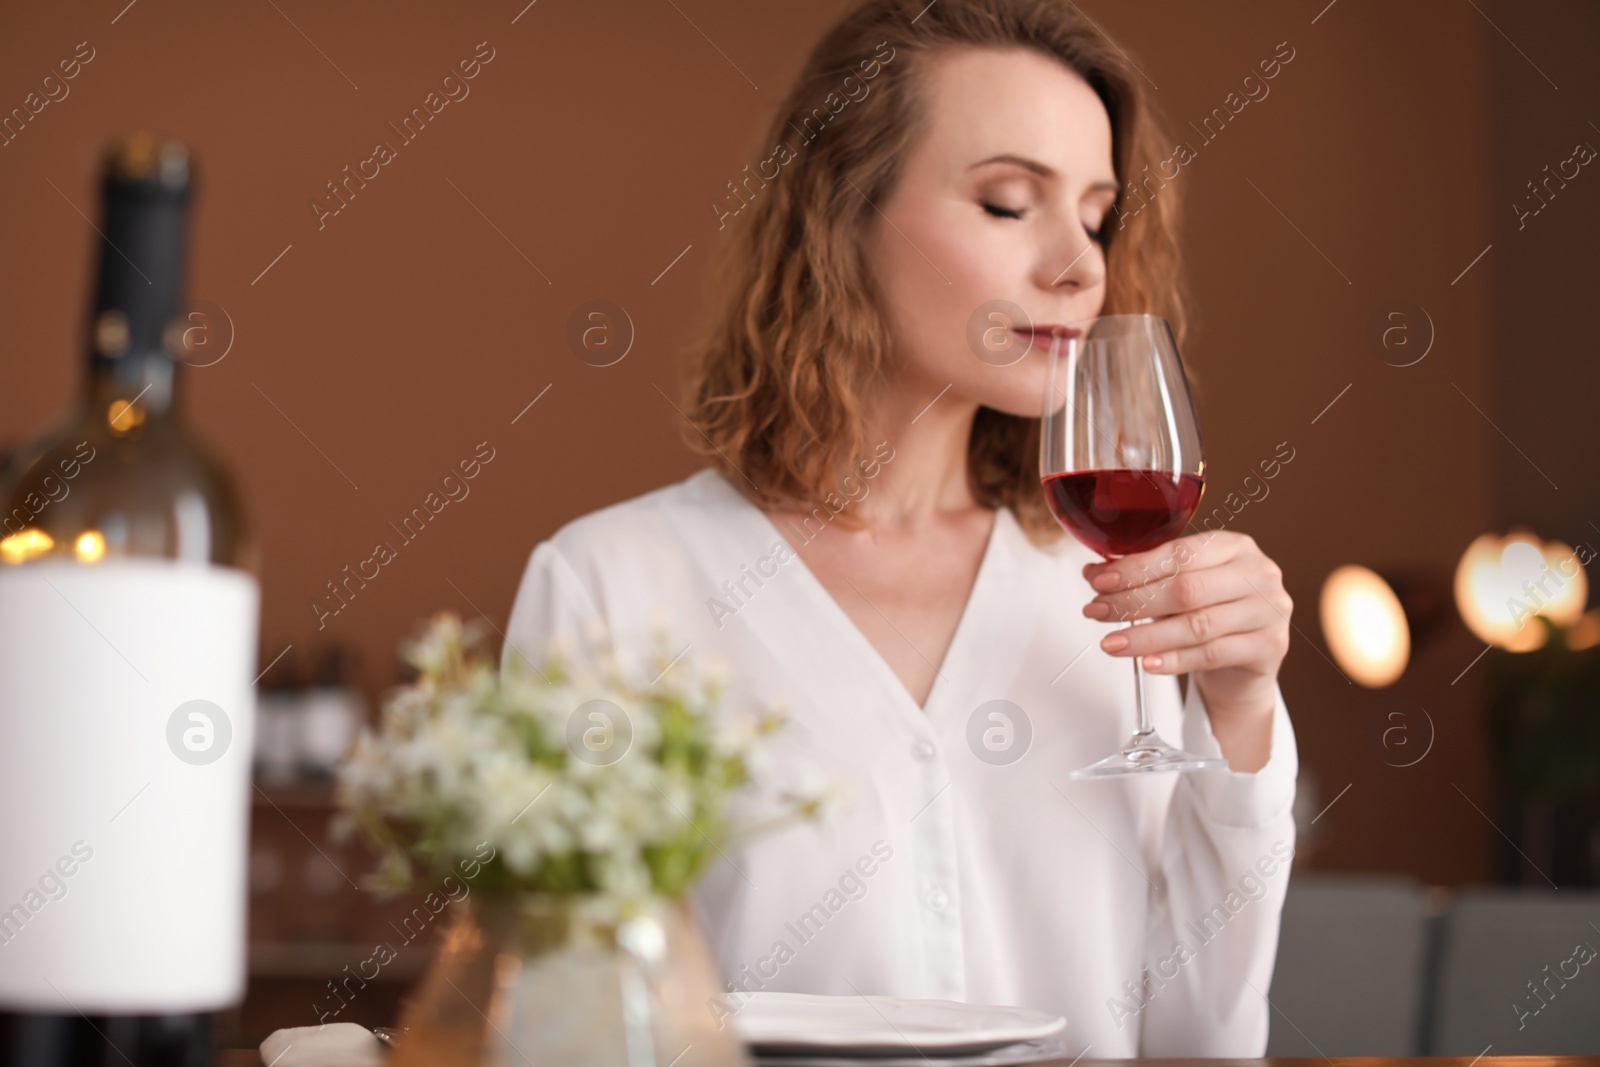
(961, 863)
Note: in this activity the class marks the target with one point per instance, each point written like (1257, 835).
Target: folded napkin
(328, 1045)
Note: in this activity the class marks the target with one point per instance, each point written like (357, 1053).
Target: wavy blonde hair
(796, 337)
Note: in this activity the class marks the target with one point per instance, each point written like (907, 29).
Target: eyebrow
(1041, 169)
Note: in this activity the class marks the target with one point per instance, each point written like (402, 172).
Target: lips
(1043, 333)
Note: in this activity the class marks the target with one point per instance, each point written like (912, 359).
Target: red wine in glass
(1123, 470)
(1119, 512)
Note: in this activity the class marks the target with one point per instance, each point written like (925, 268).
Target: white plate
(794, 1023)
(1052, 1048)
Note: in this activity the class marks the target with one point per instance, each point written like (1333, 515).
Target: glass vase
(540, 980)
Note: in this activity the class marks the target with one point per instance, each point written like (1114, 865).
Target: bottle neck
(146, 383)
(138, 286)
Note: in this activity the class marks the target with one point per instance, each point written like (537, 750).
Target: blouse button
(938, 898)
(923, 750)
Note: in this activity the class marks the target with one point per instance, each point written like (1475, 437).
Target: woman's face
(998, 204)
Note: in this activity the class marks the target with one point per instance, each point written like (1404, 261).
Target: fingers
(1247, 650)
(1188, 590)
(1183, 638)
(1217, 602)
(1194, 550)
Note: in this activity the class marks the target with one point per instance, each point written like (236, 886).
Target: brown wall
(415, 324)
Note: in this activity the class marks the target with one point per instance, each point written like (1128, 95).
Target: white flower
(522, 759)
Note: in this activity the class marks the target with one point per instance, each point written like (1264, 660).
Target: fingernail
(1108, 581)
(1097, 609)
(1152, 662)
(1114, 642)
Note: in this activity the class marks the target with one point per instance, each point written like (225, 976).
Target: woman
(870, 550)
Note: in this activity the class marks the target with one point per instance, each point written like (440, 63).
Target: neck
(928, 475)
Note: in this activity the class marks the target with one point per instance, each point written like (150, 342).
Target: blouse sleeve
(552, 605)
(1223, 873)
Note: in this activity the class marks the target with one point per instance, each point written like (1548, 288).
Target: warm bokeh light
(1365, 626)
(123, 416)
(1585, 633)
(21, 547)
(90, 546)
(1501, 583)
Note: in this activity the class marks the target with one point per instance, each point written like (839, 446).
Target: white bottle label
(127, 715)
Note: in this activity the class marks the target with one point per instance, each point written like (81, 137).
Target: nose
(1081, 265)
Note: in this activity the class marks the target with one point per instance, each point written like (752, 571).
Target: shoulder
(635, 524)
(651, 547)
(616, 565)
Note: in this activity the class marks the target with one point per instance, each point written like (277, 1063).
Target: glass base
(1145, 753)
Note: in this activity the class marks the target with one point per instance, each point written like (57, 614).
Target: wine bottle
(128, 617)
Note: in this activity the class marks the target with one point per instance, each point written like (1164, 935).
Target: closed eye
(1000, 212)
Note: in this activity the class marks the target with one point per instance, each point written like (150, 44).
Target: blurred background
(1392, 255)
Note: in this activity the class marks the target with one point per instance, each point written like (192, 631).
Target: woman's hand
(1220, 612)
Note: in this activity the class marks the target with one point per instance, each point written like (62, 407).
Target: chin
(1014, 390)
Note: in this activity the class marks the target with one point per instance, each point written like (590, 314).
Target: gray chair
(1351, 968)
(1509, 976)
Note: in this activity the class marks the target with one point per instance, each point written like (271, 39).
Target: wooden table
(249, 1058)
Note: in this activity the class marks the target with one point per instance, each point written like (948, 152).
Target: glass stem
(1144, 728)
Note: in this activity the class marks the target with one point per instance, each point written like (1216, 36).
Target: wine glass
(1123, 471)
